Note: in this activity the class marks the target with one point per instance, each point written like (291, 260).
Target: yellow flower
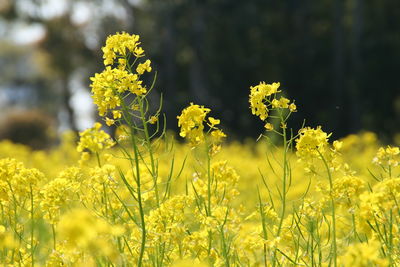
(217, 136)
(191, 123)
(275, 103)
(363, 254)
(213, 121)
(59, 192)
(311, 142)
(122, 132)
(120, 44)
(153, 119)
(258, 97)
(141, 68)
(117, 114)
(292, 107)
(109, 86)
(7, 241)
(284, 102)
(94, 139)
(337, 145)
(85, 156)
(83, 230)
(186, 263)
(269, 126)
(388, 156)
(109, 121)
(346, 188)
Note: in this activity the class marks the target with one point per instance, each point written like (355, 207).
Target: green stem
(208, 182)
(139, 197)
(224, 248)
(125, 114)
(149, 149)
(32, 226)
(283, 181)
(54, 236)
(333, 209)
(261, 210)
(98, 159)
(353, 218)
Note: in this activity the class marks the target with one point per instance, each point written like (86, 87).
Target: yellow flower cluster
(181, 222)
(94, 140)
(110, 87)
(259, 98)
(118, 46)
(191, 123)
(17, 182)
(347, 188)
(363, 254)
(7, 240)
(143, 67)
(388, 157)
(59, 193)
(311, 143)
(263, 99)
(84, 231)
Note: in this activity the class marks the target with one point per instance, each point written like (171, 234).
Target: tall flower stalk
(121, 97)
(267, 103)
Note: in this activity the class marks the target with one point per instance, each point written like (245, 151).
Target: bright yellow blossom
(191, 122)
(213, 121)
(258, 97)
(109, 86)
(94, 140)
(119, 45)
(83, 230)
(292, 107)
(388, 157)
(269, 126)
(142, 67)
(363, 254)
(110, 122)
(311, 142)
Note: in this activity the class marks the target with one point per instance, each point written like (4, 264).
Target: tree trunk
(356, 66)
(198, 88)
(338, 66)
(66, 102)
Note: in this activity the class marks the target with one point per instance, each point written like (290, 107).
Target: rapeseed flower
(387, 157)
(119, 45)
(311, 143)
(363, 254)
(259, 98)
(83, 230)
(192, 123)
(109, 86)
(264, 99)
(94, 140)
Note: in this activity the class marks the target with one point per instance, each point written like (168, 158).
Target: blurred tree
(25, 78)
(75, 31)
(327, 57)
(31, 128)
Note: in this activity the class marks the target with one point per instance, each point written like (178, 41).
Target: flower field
(142, 197)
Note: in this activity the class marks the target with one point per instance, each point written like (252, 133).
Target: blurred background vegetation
(339, 59)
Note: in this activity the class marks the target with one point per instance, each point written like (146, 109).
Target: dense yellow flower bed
(145, 199)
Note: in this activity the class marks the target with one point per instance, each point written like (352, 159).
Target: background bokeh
(339, 59)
